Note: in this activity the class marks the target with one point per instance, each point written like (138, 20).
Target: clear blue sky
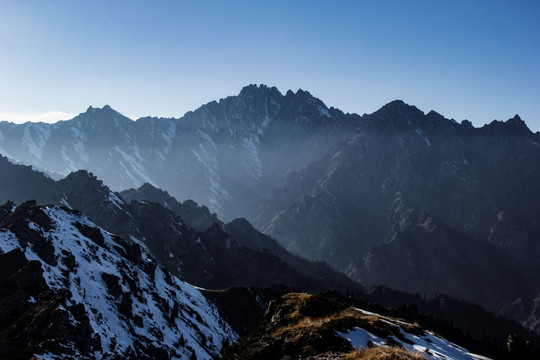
(476, 60)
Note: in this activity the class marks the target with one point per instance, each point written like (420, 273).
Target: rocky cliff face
(72, 290)
(195, 216)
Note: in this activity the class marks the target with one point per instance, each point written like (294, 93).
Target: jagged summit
(514, 124)
(105, 107)
(264, 90)
(253, 90)
(104, 115)
(398, 103)
(517, 123)
(82, 174)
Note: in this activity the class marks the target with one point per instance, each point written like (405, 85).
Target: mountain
(422, 204)
(73, 290)
(243, 233)
(69, 289)
(227, 154)
(202, 252)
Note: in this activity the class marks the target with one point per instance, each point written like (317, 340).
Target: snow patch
(115, 200)
(421, 133)
(429, 344)
(324, 112)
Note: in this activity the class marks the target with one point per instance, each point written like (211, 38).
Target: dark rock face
(246, 235)
(527, 311)
(21, 183)
(35, 319)
(195, 216)
(244, 307)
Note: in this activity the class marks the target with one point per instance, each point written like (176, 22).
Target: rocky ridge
(89, 294)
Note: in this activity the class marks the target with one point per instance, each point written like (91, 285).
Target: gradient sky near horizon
(476, 60)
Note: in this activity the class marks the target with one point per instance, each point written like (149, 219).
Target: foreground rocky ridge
(76, 291)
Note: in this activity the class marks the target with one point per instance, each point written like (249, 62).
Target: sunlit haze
(476, 60)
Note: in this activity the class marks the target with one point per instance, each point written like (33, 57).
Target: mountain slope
(422, 204)
(220, 249)
(128, 306)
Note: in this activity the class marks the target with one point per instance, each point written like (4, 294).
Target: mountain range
(222, 155)
(399, 197)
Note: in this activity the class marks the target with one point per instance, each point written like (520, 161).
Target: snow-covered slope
(135, 307)
(419, 341)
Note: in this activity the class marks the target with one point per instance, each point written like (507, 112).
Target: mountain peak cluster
(255, 196)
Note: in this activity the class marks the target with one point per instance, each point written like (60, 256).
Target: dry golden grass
(384, 353)
(306, 325)
(296, 300)
(345, 318)
(300, 306)
(413, 328)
